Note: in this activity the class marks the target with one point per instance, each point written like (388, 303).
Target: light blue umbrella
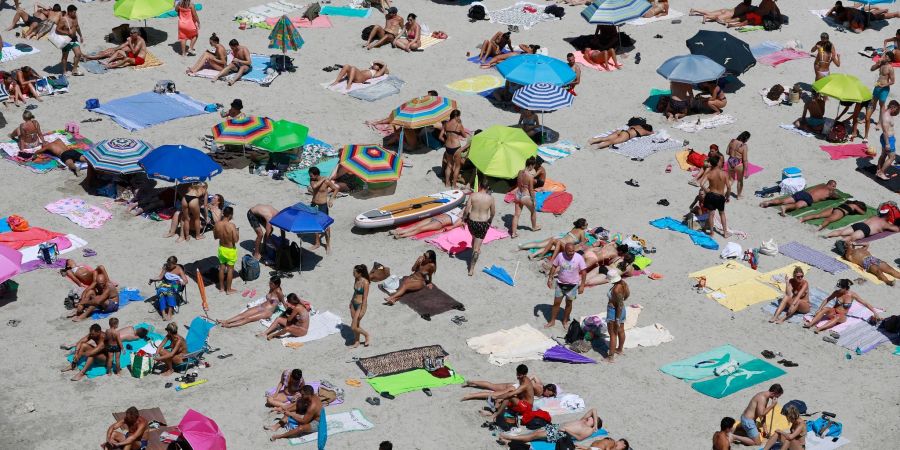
(530, 69)
(691, 69)
(874, 2)
(614, 12)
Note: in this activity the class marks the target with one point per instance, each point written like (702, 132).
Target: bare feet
(78, 376)
(167, 373)
(536, 228)
(231, 291)
(355, 344)
(550, 324)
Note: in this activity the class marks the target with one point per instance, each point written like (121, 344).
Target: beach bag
(17, 223)
(91, 103)
(838, 133)
(249, 268)
(890, 211)
(282, 63)
(891, 324)
(366, 32)
(477, 12)
(574, 333)
(772, 23)
(799, 404)
(696, 159)
(48, 252)
(555, 10)
(379, 273)
(312, 11)
(775, 93)
(58, 82)
(58, 40)
(769, 248)
(732, 250)
(141, 365)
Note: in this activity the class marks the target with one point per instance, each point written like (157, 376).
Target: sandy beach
(635, 400)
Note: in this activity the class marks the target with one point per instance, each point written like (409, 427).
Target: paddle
(379, 214)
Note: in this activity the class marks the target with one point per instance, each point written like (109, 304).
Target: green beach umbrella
(501, 152)
(285, 135)
(843, 87)
(140, 9)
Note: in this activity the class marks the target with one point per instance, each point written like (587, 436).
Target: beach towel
(866, 275)
(793, 129)
(749, 28)
(697, 237)
(65, 244)
(765, 48)
(816, 297)
(846, 151)
(261, 12)
(301, 176)
(337, 423)
(892, 184)
(476, 85)
(747, 375)
(644, 146)
(126, 296)
(812, 257)
(648, 336)
(321, 325)
(764, 95)
(693, 125)
(459, 239)
(79, 211)
(544, 445)
(345, 11)
(553, 202)
(431, 302)
(563, 403)
(32, 237)
(701, 366)
(750, 170)
(782, 56)
(778, 278)
(341, 87)
(429, 41)
(814, 442)
(560, 353)
(11, 53)
(500, 274)
(262, 72)
(876, 236)
(579, 58)
(413, 380)
(522, 343)
(128, 350)
(857, 314)
(681, 159)
(652, 100)
(399, 361)
(147, 109)
(172, 13)
(385, 88)
(863, 338)
(517, 15)
(641, 21)
(742, 295)
(209, 270)
(40, 264)
(475, 59)
(551, 153)
(299, 22)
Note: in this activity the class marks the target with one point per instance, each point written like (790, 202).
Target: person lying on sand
(864, 229)
(171, 350)
(575, 430)
(445, 222)
(833, 315)
(379, 35)
(553, 245)
(848, 208)
(101, 296)
(136, 432)
(132, 52)
(804, 198)
(422, 273)
(241, 63)
(495, 45)
(636, 128)
(524, 49)
(796, 297)
(262, 311)
(859, 254)
(294, 322)
(724, 16)
(606, 443)
(660, 8)
(356, 75)
(300, 420)
(214, 58)
(288, 390)
(813, 117)
(524, 196)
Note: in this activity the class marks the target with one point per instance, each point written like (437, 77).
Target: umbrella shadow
(732, 84)
(155, 36)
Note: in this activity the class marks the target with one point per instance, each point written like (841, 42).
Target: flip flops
(669, 168)
(87, 253)
(631, 182)
(459, 319)
(768, 354)
(655, 276)
(663, 202)
(788, 363)
(427, 392)
(387, 395)
(353, 382)
(374, 401)
(227, 355)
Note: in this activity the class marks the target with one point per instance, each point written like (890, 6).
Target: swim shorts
(803, 196)
(71, 46)
(68, 155)
(138, 60)
(227, 256)
(890, 143)
(110, 307)
(478, 229)
(860, 226)
(569, 291)
(611, 314)
(553, 433)
(870, 261)
(749, 427)
(323, 207)
(292, 424)
(256, 222)
(714, 201)
(880, 93)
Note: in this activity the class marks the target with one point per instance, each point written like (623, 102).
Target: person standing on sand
(524, 196)
(569, 271)
(722, 438)
(323, 191)
(359, 303)
(188, 26)
(615, 313)
(737, 160)
(760, 405)
(478, 215)
(888, 140)
(715, 186)
(227, 234)
(67, 25)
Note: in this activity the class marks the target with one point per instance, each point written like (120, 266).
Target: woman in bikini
(621, 136)
(823, 60)
(716, 100)
(193, 209)
(795, 437)
(524, 49)
(524, 197)
(796, 297)
(287, 391)
(82, 275)
(831, 215)
(12, 87)
(737, 160)
(172, 281)
(494, 46)
(359, 303)
(441, 222)
(26, 77)
(214, 58)
(30, 137)
(264, 310)
(294, 322)
(422, 273)
(577, 235)
(412, 37)
(843, 300)
(601, 57)
(355, 75)
(454, 136)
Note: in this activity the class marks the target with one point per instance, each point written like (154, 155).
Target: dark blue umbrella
(179, 164)
(302, 218)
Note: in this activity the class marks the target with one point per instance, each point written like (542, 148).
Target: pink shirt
(569, 269)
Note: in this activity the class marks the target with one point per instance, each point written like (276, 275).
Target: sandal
(227, 355)
(374, 401)
(829, 339)
(387, 395)
(663, 202)
(427, 392)
(669, 168)
(790, 364)
(353, 382)
(655, 276)
(631, 182)
(87, 253)
(768, 354)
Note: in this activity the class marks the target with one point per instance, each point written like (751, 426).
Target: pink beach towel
(857, 313)
(459, 239)
(751, 170)
(782, 56)
(846, 151)
(80, 212)
(579, 58)
(876, 236)
(302, 22)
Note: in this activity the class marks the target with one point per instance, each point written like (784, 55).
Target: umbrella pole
(400, 145)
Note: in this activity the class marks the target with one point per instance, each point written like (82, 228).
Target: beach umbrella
(284, 37)
(530, 69)
(542, 97)
(10, 262)
(371, 163)
(241, 130)
(723, 48)
(843, 87)
(201, 432)
(179, 164)
(421, 112)
(501, 152)
(120, 155)
(302, 218)
(614, 12)
(285, 135)
(141, 9)
(691, 69)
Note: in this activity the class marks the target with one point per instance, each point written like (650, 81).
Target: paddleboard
(410, 210)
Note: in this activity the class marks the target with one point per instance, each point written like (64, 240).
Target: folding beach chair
(197, 342)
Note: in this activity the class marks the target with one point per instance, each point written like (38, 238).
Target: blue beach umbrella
(179, 164)
(691, 69)
(614, 12)
(530, 69)
(302, 218)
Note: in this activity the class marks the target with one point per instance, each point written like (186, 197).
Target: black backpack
(772, 23)
(575, 333)
(477, 12)
(366, 32)
(282, 63)
(555, 10)
(891, 324)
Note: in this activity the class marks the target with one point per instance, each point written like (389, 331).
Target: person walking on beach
(737, 160)
(67, 25)
(227, 234)
(478, 215)
(323, 190)
(188, 26)
(615, 313)
(715, 186)
(759, 407)
(260, 218)
(888, 140)
(569, 271)
(524, 197)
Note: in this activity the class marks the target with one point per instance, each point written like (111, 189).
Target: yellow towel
(150, 60)
(774, 421)
(741, 295)
(477, 84)
(681, 157)
(786, 271)
(725, 274)
(428, 41)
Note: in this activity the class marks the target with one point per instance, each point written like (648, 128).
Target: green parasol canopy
(285, 135)
(501, 152)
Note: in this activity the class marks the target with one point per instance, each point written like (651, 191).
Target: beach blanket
(476, 85)
(341, 87)
(681, 159)
(857, 314)
(126, 296)
(413, 380)
(522, 343)
(459, 239)
(579, 58)
(475, 59)
(816, 296)
(209, 270)
(518, 15)
(560, 353)
(262, 72)
(778, 278)
(641, 21)
(301, 176)
(892, 184)
(261, 12)
(782, 56)
(399, 361)
(846, 151)
(648, 336)
(563, 403)
(725, 274)
(697, 237)
(553, 202)
(385, 88)
(644, 146)
(321, 325)
(747, 375)
(814, 442)
(431, 302)
(736, 286)
(693, 125)
(812, 257)
(65, 244)
(750, 170)
(44, 163)
(551, 153)
(345, 11)
(429, 41)
(32, 237)
(765, 48)
(150, 60)
(147, 109)
(299, 22)
(336, 423)
(701, 366)
(863, 338)
(793, 129)
(742, 295)
(79, 211)
(876, 237)
(652, 100)
(544, 445)
(10, 52)
(128, 350)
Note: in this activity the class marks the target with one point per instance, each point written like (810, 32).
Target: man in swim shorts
(227, 234)
(385, 35)
(715, 186)
(859, 254)
(804, 198)
(576, 430)
(864, 229)
(260, 217)
(101, 297)
(323, 191)
(569, 271)
(302, 419)
(241, 62)
(67, 25)
(759, 407)
(132, 53)
(136, 432)
(478, 215)
(888, 141)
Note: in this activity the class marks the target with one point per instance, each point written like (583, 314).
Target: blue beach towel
(126, 296)
(698, 237)
(4, 225)
(346, 11)
(258, 73)
(130, 348)
(701, 366)
(147, 109)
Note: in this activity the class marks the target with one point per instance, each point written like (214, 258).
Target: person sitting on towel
(833, 315)
(294, 322)
(859, 254)
(761, 404)
(804, 198)
(132, 52)
(288, 390)
(636, 128)
(576, 430)
(380, 36)
(136, 432)
(601, 57)
(36, 24)
(241, 62)
(302, 419)
(864, 229)
(412, 39)
(214, 58)
(524, 49)
(495, 45)
(570, 61)
(422, 273)
(813, 117)
(714, 99)
(101, 296)
(796, 297)
(607, 443)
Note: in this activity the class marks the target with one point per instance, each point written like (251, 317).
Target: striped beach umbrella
(542, 97)
(422, 111)
(243, 130)
(120, 155)
(371, 163)
(614, 12)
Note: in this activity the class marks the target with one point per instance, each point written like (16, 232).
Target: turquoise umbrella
(531, 69)
(614, 12)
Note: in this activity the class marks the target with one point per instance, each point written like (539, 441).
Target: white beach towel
(563, 403)
(673, 14)
(644, 146)
(515, 15)
(338, 423)
(522, 343)
(814, 442)
(31, 253)
(693, 125)
(649, 336)
(11, 53)
(321, 325)
(791, 127)
(341, 87)
(765, 91)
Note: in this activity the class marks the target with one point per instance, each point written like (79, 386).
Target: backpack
(772, 23)
(282, 63)
(891, 324)
(799, 404)
(164, 87)
(366, 32)
(891, 212)
(575, 333)
(838, 133)
(555, 10)
(249, 268)
(477, 12)
(775, 93)
(312, 11)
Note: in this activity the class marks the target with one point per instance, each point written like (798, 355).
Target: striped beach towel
(557, 150)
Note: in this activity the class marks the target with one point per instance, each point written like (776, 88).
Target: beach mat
(553, 202)
(579, 58)
(476, 85)
(815, 258)
(147, 109)
(725, 274)
(697, 237)
(321, 325)
(644, 146)
(747, 375)
(563, 354)
(337, 423)
(863, 338)
(209, 271)
(345, 11)
(399, 361)
(876, 237)
(522, 343)
(429, 41)
(413, 380)
(814, 442)
(385, 88)
(816, 297)
(846, 220)
(431, 302)
(544, 445)
(701, 366)
(551, 153)
(892, 185)
(129, 348)
(779, 57)
(845, 151)
(80, 212)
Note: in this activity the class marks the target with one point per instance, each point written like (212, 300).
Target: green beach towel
(412, 380)
(653, 99)
(749, 374)
(642, 262)
(846, 220)
(701, 366)
(819, 206)
(301, 176)
(130, 347)
(346, 11)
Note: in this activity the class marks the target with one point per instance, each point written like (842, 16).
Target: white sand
(636, 401)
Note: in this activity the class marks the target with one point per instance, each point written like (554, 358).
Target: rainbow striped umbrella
(119, 155)
(242, 130)
(422, 111)
(371, 163)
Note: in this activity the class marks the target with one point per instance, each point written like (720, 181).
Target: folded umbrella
(500, 274)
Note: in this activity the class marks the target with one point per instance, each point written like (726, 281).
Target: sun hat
(613, 276)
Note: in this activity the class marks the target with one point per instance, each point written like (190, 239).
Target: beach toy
(184, 386)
